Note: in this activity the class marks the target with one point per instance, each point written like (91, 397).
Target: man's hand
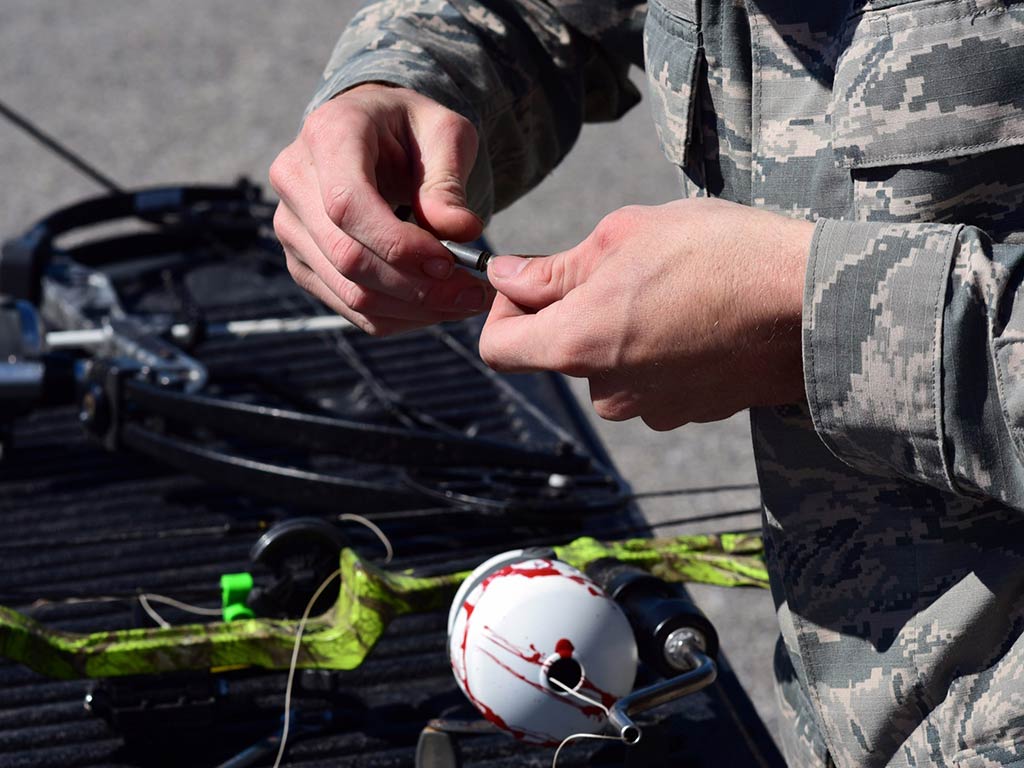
(685, 312)
(357, 158)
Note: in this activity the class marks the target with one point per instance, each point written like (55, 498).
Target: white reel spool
(521, 620)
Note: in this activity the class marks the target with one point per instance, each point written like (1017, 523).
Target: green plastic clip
(234, 590)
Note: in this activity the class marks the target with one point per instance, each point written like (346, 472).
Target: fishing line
(575, 736)
(293, 664)
(354, 518)
(146, 598)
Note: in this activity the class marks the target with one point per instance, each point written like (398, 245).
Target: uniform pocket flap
(672, 52)
(906, 93)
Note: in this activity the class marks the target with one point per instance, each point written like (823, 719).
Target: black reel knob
(300, 553)
(661, 614)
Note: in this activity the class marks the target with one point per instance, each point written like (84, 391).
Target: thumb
(447, 155)
(538, 281)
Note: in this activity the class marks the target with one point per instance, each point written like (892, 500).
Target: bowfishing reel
(544, 650)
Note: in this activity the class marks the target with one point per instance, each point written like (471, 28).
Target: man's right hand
(357, 158)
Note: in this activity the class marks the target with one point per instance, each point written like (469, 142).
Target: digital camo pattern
(894, 531)
(368, 599)
(552, 64)
(929, 84)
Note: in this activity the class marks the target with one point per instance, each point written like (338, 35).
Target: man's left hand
(684, 312)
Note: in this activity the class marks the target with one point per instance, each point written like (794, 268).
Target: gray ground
(155, 92)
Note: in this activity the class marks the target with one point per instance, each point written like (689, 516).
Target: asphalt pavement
(153, 92)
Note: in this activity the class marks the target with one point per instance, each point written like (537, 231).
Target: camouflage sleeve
(914, 353)
(526, 72)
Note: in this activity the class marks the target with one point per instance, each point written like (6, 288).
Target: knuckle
(282, 228)
(281, 173)
(338, 201)
(395, 248)
(345, 254)
(447, 183)
(318, 125)
(556, 273)
(298, 272)
(365, 325)
(455, 128)
(614, 226)
(358, 298)
(453, 122)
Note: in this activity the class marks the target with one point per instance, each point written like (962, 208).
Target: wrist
(780, 333)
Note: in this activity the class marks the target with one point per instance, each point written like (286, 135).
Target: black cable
(60, 150)
(710, 517)
(693, 491)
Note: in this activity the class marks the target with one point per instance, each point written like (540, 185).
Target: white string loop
(575, 736)
(354, 518)
(147, 598)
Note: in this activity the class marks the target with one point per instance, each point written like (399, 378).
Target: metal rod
(59, 149)
(93, 337)
(702, 673)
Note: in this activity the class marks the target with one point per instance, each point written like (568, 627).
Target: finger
(344, 162)
(308, 280)
(347, 266)
(539, 281)
(445, 150)
(300, 247)
(515, 341)
(613, 399)
(294, 177)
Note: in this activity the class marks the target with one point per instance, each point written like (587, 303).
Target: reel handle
(673, 636)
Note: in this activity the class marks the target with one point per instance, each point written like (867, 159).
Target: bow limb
(341, 638)
(725, 560)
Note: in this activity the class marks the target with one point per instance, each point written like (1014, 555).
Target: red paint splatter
(510, 647)
(563, 648)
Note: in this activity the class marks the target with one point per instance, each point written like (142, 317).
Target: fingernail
(471, 299)
(438, 268)
(506, 266)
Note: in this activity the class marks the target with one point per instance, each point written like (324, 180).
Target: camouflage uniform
(894, 496)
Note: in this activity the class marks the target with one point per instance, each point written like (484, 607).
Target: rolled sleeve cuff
(412, 68)
(872, 344)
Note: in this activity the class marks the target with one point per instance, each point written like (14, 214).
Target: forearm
(526, 74)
